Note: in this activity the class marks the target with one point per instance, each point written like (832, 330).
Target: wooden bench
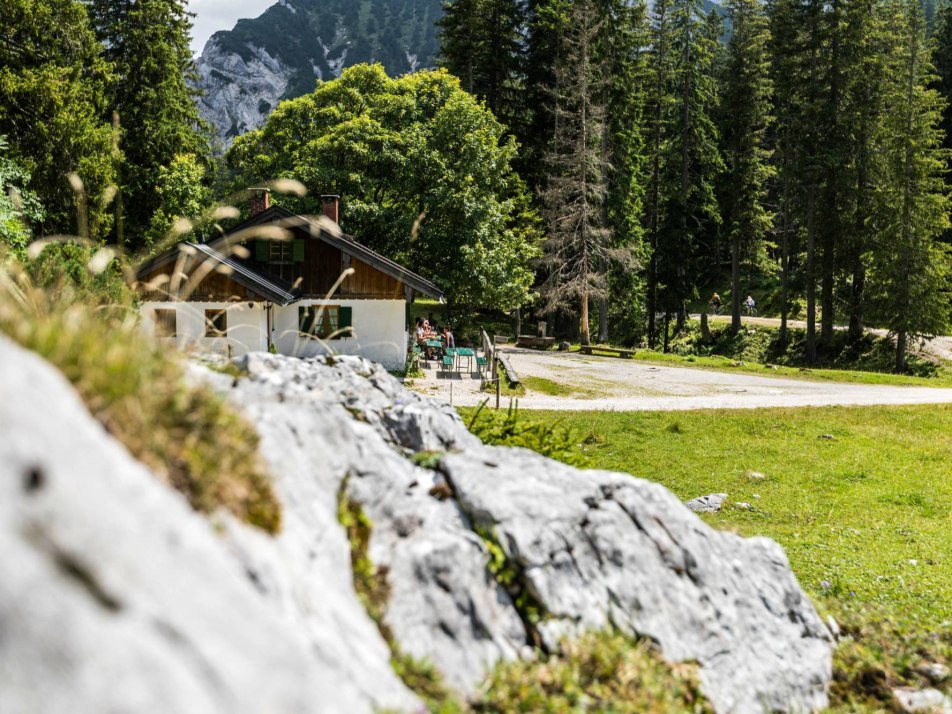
(447, 364)
(613, 351)
(510, 372)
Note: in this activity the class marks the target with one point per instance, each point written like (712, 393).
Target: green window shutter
(261, 251)
(306, 319)
(298, 250)
(345, 321)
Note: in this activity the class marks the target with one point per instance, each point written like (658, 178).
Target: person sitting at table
(448, 337)
(420, 332)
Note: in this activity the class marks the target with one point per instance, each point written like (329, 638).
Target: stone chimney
(331, 207)
(260, 200)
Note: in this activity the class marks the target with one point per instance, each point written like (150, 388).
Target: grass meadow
(860, 498)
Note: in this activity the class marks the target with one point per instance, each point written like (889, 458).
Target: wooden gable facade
(307, 266)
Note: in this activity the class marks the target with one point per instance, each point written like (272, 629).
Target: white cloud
(214, 15)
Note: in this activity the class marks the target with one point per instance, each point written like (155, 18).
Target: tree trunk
(784, 254)
(667, 331)
(517, 321)
(811, 275)
(857, 299)
(901, 351)
(585, 337)
(735, 284)
(603, 320)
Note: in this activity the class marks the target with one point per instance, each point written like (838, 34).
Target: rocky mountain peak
(246, 71)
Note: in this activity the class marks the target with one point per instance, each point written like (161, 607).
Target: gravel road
(611, 384)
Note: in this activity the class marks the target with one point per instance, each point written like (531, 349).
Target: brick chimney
(331, 207)
(260, 200)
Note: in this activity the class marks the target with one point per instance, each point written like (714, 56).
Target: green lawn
(865, 516)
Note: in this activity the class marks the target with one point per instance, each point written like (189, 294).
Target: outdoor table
(468, 353)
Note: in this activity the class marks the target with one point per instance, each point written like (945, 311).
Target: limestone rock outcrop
(115, 596)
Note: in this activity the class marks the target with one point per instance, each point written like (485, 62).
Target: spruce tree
(747, 92)
(620, 48)
(912, 267)
(483, 43)
(659, 102)
(692, 160)
(578, 248)
(147, 42)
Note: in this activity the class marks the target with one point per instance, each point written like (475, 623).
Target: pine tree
(483, 43)
(658, 101)
(578, 248)
(620, 48)
(785, 70)
(147, 42)
(912, 267)
(692, 159)
(747, 92)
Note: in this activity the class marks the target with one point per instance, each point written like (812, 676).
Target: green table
(468, 353)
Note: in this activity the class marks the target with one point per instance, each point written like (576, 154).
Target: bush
(512, 429)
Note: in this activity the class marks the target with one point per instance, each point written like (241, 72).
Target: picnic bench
(612, 351)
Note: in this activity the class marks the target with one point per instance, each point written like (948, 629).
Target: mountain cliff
(246, 71)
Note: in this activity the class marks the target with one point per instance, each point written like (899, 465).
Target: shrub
(550, 439)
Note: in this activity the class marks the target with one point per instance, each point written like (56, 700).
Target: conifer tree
(658, 101)
(912, 267)
(620, 47)
(578, 249)
(785, 72)
(747, 92)
(693, 159)
(147, 42)
(483, 43)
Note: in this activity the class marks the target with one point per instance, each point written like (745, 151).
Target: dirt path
(937, 347)
(608, 384)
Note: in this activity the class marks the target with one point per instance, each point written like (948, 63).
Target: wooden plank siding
(315, 276)
(215, 287)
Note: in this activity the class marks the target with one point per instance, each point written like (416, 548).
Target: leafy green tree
(424, 171)
(912, 268)
(52, 96)
(182, 194)
(147, 42)
(19, 206)
(747, 92)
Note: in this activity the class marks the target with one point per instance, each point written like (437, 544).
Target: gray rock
(599, 549)
(114, 595)
(935, 672)
(711, 503)
(930, 701)
(326, 423)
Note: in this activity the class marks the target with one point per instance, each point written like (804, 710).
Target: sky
(215, 15)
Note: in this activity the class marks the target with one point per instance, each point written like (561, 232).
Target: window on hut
(216, 323)
(165, 322)
(325, 321)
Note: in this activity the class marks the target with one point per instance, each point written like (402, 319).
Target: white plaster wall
(246, 326)
(379, 332)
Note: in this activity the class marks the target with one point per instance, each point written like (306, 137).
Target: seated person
(420, 331)
(448, 338)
